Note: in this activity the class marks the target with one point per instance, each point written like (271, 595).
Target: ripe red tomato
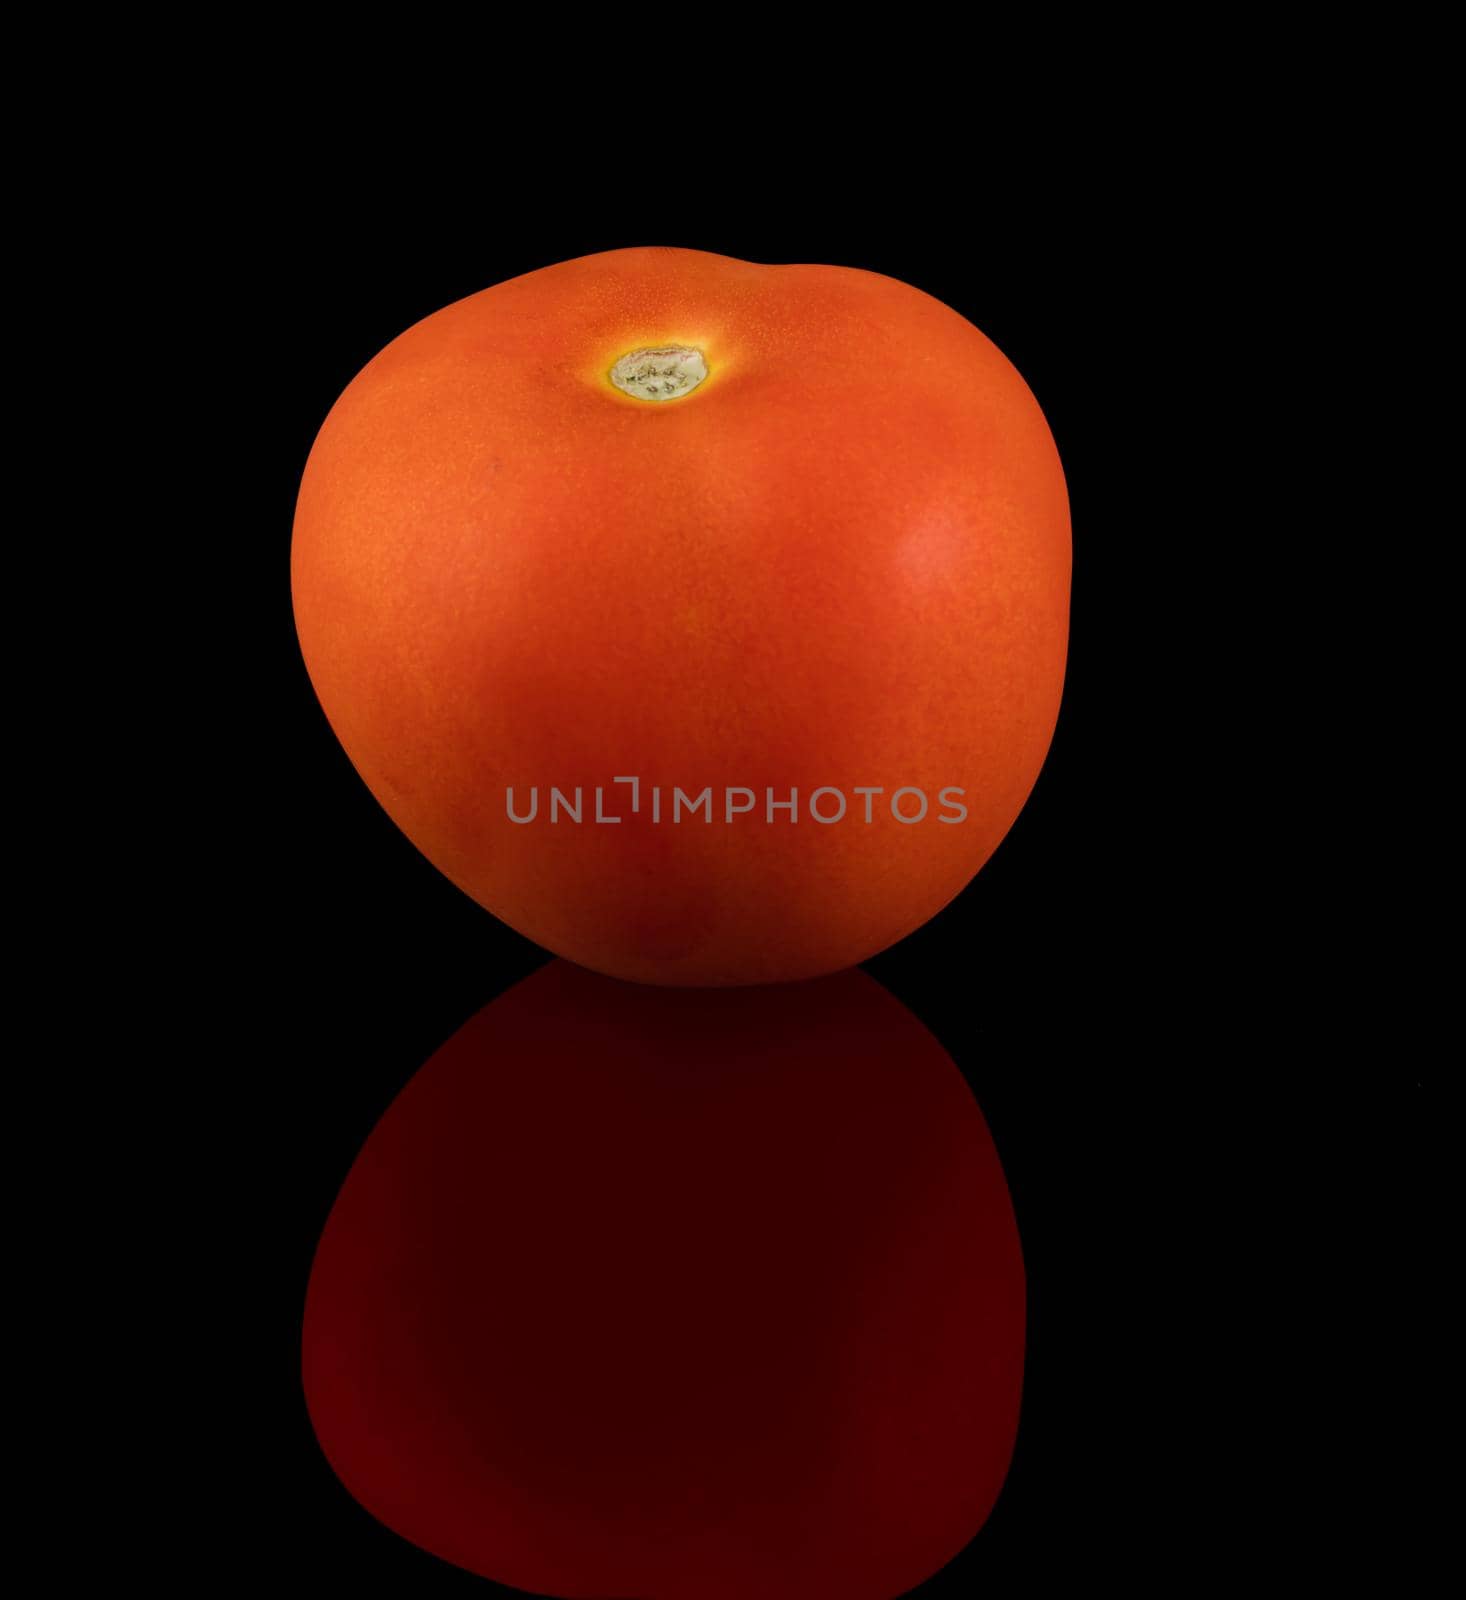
(747, 532)
(634, 1292)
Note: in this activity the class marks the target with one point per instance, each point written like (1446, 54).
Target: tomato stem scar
(665, 373)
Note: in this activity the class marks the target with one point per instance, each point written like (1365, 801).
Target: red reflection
(681, 1294)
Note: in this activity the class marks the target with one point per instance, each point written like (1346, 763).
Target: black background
(1099, 983)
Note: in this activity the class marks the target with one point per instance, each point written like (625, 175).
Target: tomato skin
(842, 560)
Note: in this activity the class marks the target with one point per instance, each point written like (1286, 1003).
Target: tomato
(633, 1292)
(791, 541)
